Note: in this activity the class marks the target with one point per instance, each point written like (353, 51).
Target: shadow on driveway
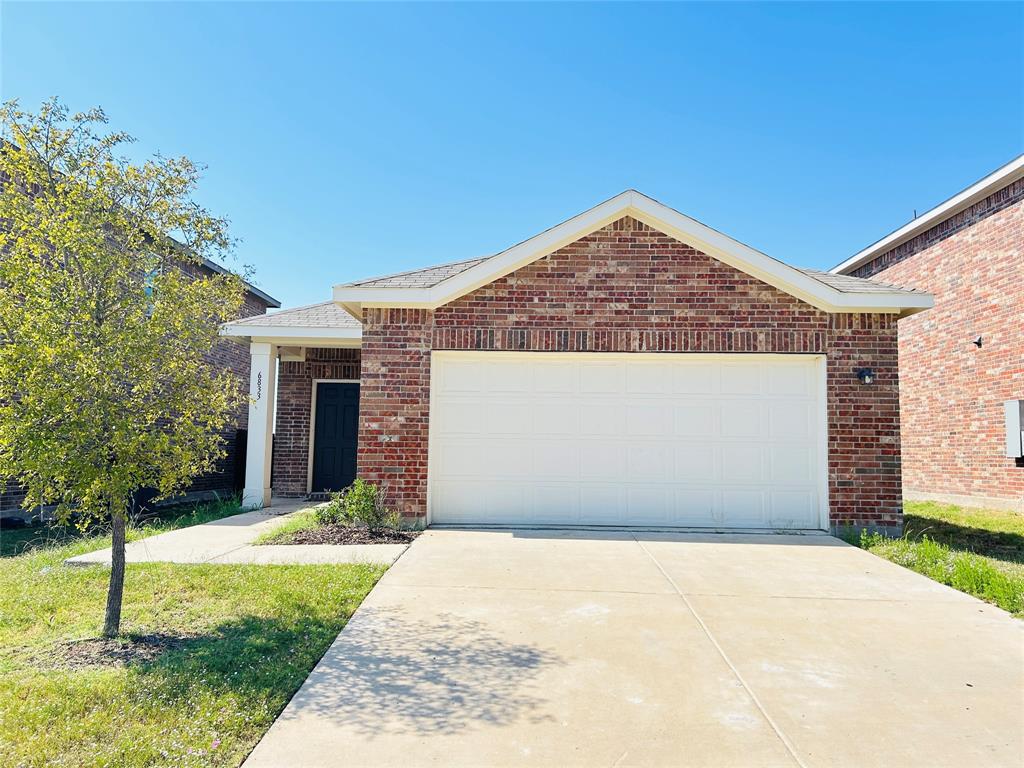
(389, 674)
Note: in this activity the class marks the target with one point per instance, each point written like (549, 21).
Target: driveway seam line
(790, 747)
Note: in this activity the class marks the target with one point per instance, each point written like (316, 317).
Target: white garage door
(717, 441)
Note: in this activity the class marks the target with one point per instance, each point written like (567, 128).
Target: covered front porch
(304, 380)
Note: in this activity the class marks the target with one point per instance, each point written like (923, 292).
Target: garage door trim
(820, 367)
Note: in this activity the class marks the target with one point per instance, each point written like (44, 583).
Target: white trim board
(660, 217)
(977, 192)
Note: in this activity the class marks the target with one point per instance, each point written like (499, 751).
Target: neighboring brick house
(225, 479)
(963, 360)
(628, 367)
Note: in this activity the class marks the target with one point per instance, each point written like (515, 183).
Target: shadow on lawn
(253, 657)
(387, 674)
(999, 545)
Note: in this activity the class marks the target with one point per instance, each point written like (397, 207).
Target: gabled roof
(312, 323)
(436, 286)
(419, 278)
(977, 192)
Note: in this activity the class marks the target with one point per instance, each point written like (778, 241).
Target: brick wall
(629, 288)
(394, 403)
(294, 401)
(952, 392)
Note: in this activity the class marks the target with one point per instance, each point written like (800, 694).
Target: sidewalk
(229, 540)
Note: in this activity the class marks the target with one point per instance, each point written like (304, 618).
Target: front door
(335, 434)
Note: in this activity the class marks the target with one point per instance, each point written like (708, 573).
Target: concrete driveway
(555, 648)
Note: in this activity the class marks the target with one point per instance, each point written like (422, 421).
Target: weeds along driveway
(580, 648)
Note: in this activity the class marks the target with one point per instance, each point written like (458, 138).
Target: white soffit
(662, 218)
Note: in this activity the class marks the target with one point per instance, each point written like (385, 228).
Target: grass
(238, 641)
(300, 521)
(980, 552)
(17, 541)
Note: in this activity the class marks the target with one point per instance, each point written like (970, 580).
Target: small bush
(362, 503)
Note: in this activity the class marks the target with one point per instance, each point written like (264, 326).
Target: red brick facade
(953, 391)
(629, 288)
(295, 379)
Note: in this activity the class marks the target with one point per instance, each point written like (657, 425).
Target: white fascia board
(293, 335)
(995, 181)
(654, 214)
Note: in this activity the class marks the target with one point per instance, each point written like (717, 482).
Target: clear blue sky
(350, 140)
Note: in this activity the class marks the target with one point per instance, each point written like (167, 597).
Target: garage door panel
(790, 380)
(695, 419)
(791, 420)
(696, 463)
(463, 376)
(743, 418)
(557, 377)
(555, 418)
(695, 506)
(602, 419)
(794, 464)
(651, 419)
(555, 459)
(601, 460)
(462, 418)
(693, 379)
(509, 377)
(741, 378)
(649, 461)
(677, 440)
(744, 508)
(604, 503)
(602, 378)
(742, 463)
(647, 378)
(557, 504)
(649, 505)
(508, 418)
(792, 509)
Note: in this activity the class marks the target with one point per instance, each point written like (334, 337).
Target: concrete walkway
(555, 648)
(229, 540)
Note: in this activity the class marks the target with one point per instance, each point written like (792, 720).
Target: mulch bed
(345, 534)
(112, 652)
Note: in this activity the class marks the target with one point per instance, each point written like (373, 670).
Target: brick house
(629, 366)
(224, 480)
(963, 361)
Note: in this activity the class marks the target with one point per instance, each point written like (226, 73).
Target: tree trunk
(112, 618)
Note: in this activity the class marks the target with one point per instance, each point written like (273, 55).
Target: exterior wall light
(866, 376)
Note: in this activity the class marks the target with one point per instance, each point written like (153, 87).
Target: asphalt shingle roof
(849, 284)
(427, 277)
(431, 276)
(326, 314)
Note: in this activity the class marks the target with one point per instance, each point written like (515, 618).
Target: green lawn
(977, 551)
(228, 645)
(300, 521)
(16, 541)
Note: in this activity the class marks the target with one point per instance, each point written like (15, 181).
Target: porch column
(262, 385)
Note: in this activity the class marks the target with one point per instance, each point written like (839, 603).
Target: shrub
(362, 503)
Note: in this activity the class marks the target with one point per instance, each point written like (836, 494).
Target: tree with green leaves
(108, 310)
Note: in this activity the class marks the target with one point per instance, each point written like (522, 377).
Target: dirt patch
(345, 534)
(113, 652)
